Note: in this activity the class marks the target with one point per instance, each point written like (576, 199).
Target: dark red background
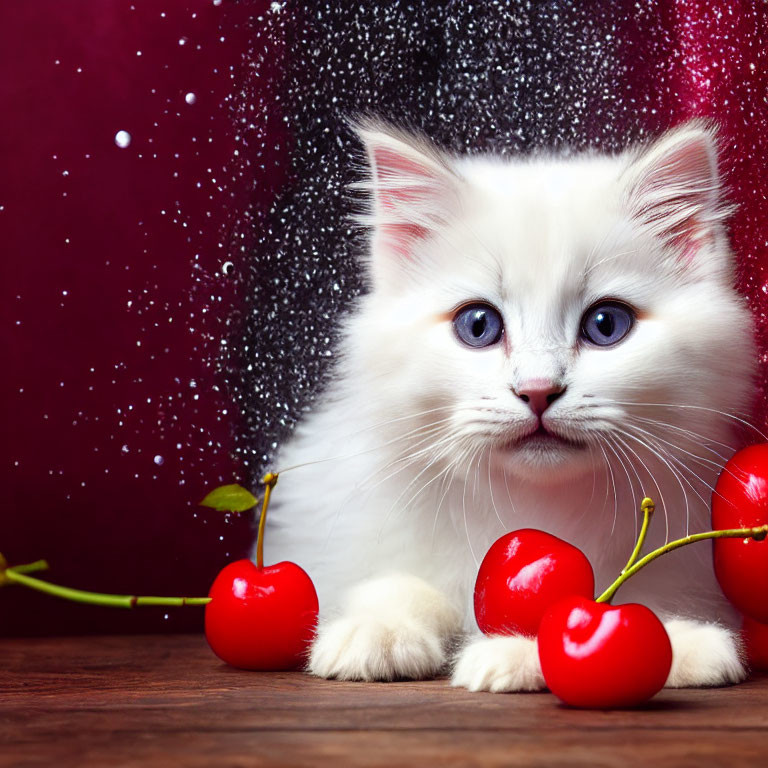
(115, 298)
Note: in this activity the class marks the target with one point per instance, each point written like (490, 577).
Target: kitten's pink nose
(539, 394)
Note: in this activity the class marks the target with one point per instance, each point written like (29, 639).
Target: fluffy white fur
(393, 626)
(499, 664)
(415, 460)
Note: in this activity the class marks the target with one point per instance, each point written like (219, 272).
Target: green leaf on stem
(230, 498)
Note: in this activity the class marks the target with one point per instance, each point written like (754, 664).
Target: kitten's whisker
(699, 460)
(425, 434)
(445, 483)
(641, 486)
(656, 440)
(683, 469)
(405, 490)
(406, 417)
(426, 485)
(608, 258)
(601, 439)
(407, 460)
(372, 449)
(464, 509)
(594, 475)
(477, 477)
(648, 444)
(608, 483)
(454, 468)
(490, 487)
(599, 245)
(369, 489)
(694, 407)
(655, 482)
(702, 439)
(696, 437)
(634, 453)
(509, 495)
(609, 443)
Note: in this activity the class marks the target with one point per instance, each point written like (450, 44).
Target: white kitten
(544, 342)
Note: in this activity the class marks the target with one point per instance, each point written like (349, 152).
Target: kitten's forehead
(546, 179)
(549, 206)
(544, 224)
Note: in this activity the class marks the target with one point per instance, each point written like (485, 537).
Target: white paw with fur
(394, 627)
(364, 648)
(500, 664)
(703, 655)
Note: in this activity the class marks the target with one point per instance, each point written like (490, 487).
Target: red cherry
(740, 500)
(522, 575)
(598, 655)
(261, 618)
(755, 636)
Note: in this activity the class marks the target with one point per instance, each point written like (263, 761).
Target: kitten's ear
(674, 188)
(413, 192)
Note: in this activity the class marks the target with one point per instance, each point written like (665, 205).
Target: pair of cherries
(592, 654)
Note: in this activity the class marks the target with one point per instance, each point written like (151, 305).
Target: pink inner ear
(688, 237)
(391, 168)
(690, 243)
(388, 162)
(676, 193)
(689, 252)
(400, 237)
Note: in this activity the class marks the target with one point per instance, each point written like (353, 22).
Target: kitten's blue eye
(607, 323)
(478, 325)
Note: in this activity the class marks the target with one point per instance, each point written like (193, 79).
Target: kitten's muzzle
(544, 438)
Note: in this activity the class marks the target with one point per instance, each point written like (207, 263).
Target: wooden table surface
(167, 701)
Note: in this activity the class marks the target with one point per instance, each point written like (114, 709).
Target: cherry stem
(759, 533)
(648, 507)
(17, 574)
(270, 480)
(38, 565)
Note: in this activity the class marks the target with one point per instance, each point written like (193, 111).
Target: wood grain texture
(167, 701)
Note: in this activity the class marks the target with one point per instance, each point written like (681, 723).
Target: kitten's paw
(500, 665)
(394, 626)
(703, 655)
(367, 648)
